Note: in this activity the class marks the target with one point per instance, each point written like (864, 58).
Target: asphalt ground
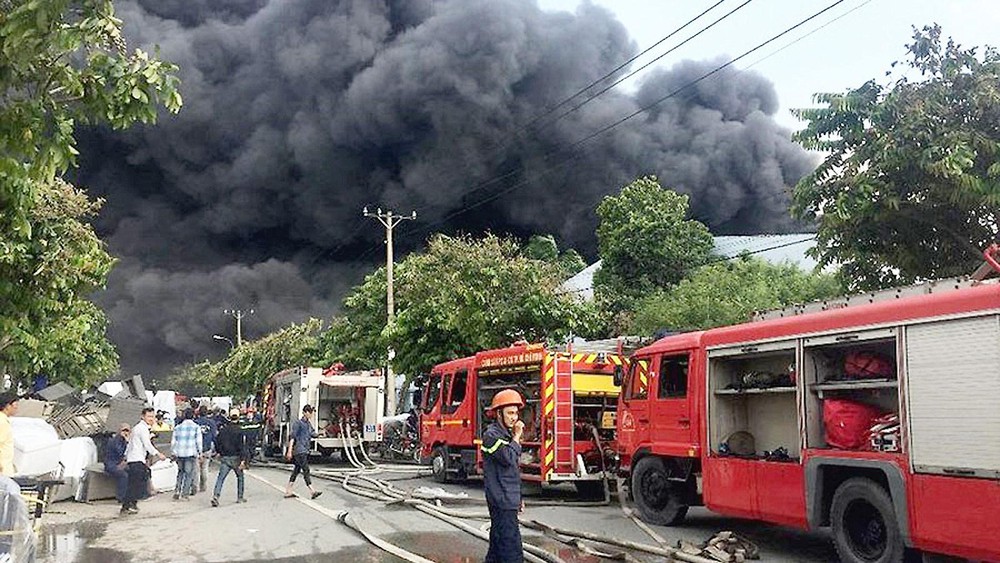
(271, 528)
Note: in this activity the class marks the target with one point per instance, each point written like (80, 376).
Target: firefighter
(501, 453)
(252, 426)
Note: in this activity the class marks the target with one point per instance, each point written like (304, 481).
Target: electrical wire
(616, 124)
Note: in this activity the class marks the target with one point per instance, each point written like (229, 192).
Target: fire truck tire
(659, 500)
(439, 464)
(865, 528)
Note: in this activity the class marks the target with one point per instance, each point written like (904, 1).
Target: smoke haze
(299, 112)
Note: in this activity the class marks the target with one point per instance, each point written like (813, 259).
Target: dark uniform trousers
(502, 483)
(505, 537)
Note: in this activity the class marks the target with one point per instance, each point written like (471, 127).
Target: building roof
(776, 249)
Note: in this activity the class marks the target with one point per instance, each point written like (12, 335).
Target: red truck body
(696, 426)
(569, 397)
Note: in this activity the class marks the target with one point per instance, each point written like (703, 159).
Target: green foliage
(727, 292)
(910, 186)
(46, 324)
(62, 63)
(545, 248)
(646, 244)
(246, 368)
(459, 296)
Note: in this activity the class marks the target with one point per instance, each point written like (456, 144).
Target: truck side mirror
(619, 376)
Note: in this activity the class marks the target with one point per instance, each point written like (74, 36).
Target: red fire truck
(569, 414)
(877, 415)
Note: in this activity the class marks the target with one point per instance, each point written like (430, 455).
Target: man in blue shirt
(209, 430)
(299, 440)
(114, 460)
(502, 475)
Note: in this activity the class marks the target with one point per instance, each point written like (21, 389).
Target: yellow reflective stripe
(496, 446)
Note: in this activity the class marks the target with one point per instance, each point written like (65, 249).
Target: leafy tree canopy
(646, 243)
(62, 63)
(728, 292)
(458, 296)
(910, 186)
(246, 368)
(545, 248)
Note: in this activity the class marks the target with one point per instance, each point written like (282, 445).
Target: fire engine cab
(877, 416)
(569, 413)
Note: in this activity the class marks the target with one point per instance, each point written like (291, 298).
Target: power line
(606, 89)
(619, 122)
(498, 149)
(717, 260)
(643, 67)
(847, 13)
(583, 90)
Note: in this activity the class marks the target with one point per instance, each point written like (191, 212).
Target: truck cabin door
(431, 418)
(455, 414)
(633, 414)
(670, 412)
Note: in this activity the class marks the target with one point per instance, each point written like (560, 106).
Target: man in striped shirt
(186, 448)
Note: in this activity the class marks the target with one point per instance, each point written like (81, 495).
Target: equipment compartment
(753, 406)
(860, 370)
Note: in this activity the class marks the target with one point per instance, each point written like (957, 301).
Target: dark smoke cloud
(299, 112)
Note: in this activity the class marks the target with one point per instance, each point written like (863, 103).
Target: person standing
(209, 430)
(186, 448)
(8, 408)
(252, 425)
(297, 452)
(136, 454)
(114, 460)
(502, 473)
(234, 455)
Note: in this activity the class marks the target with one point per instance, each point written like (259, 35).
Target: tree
(62, 63)
(459, 296)
(646, 244)
(545, 248)
(247, 367)
(728, 292)
(910, 186)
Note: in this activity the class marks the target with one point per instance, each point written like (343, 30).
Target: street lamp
(220, 337)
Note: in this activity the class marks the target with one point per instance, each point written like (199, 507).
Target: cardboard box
(33, 408)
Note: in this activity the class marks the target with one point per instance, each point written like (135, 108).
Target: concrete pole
(389, 221)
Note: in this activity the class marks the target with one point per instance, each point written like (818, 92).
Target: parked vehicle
(876, 416)
(569, 415)
(349, 407)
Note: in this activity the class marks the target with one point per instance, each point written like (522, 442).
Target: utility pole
(389, 221)
(238, 314)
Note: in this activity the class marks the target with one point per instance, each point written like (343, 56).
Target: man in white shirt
(139, 448)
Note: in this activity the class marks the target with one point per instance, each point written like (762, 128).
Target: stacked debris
(727, 547)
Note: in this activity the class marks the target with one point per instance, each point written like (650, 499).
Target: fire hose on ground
(381, 490)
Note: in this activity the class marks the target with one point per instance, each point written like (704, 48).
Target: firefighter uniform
(503, 493)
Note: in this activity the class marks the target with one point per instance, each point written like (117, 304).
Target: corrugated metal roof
(773, 248)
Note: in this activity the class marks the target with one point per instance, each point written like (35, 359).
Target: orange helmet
(506, 398)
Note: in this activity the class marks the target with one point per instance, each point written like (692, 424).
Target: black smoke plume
(299, 112)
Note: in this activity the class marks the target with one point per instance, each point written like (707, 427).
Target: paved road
(273, 529)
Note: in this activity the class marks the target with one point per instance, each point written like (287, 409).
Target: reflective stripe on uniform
(496, 445)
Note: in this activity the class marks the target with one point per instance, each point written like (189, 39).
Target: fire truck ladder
(563, 421)
(891, 294)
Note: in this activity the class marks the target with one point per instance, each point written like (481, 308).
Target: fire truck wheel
(865, 529)
(659, 500)
(439, 464)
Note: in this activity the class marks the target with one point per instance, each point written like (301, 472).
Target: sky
(857, 47)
